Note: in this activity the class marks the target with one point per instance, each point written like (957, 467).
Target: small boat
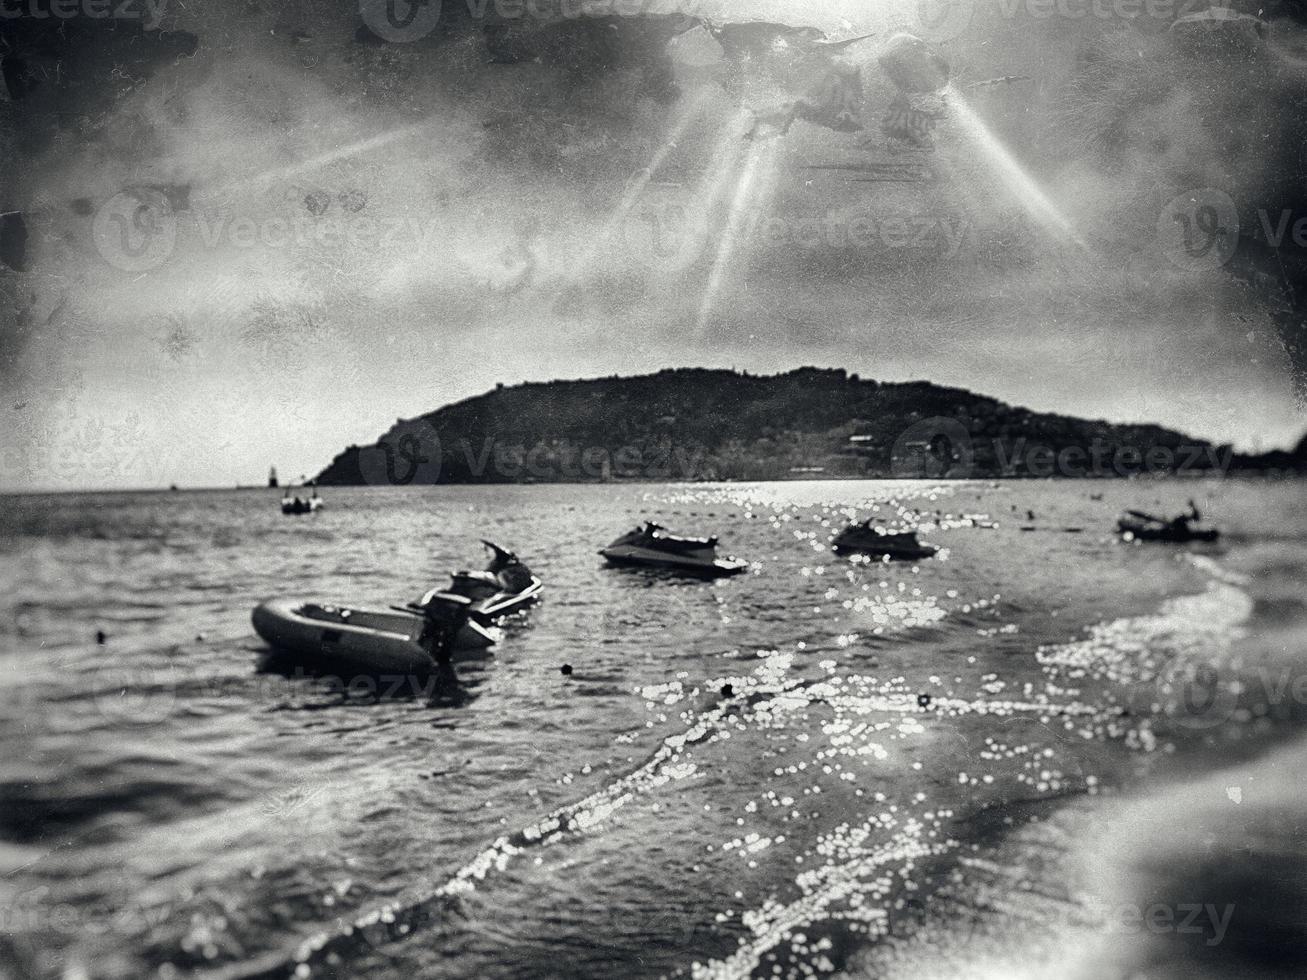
(301, 505)
(1138, 526)
(385, 640)
(382, 641)
(653, 546)
(506, 586)
(866, 538)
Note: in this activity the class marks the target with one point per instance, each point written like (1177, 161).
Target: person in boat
(1183, 523)
(512, 574)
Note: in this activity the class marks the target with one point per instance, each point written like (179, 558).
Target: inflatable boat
(652, 546)
(381, 641)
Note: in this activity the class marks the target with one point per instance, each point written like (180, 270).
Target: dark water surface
(761, 775)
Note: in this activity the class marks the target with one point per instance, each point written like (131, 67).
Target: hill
(701, 424)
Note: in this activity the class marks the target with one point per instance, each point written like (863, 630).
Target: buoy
(100, 637)
(567, 670)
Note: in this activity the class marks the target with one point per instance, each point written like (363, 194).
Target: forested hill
(700, 424)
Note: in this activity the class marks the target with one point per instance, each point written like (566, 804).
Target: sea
(1041, 752)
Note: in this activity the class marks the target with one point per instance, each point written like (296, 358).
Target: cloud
(346, 212)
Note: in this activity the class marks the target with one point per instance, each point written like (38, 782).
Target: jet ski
(383, 641)
(1139, 526)
(653, 546)
(301, 505)
(506, 586)
(866, 538)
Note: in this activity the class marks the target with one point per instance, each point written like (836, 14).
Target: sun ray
(357, 148)
(693, 110)
(693, 214)
(1015, 177)
(761, 161)
(690, 112)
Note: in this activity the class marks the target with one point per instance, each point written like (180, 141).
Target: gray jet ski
(653, 546)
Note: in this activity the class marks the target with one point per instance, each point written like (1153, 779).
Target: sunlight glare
(1010, 171)
(761, 161)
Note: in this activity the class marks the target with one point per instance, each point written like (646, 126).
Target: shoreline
(1248, 475)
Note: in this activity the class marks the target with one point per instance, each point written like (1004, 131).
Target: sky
(256, 235)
